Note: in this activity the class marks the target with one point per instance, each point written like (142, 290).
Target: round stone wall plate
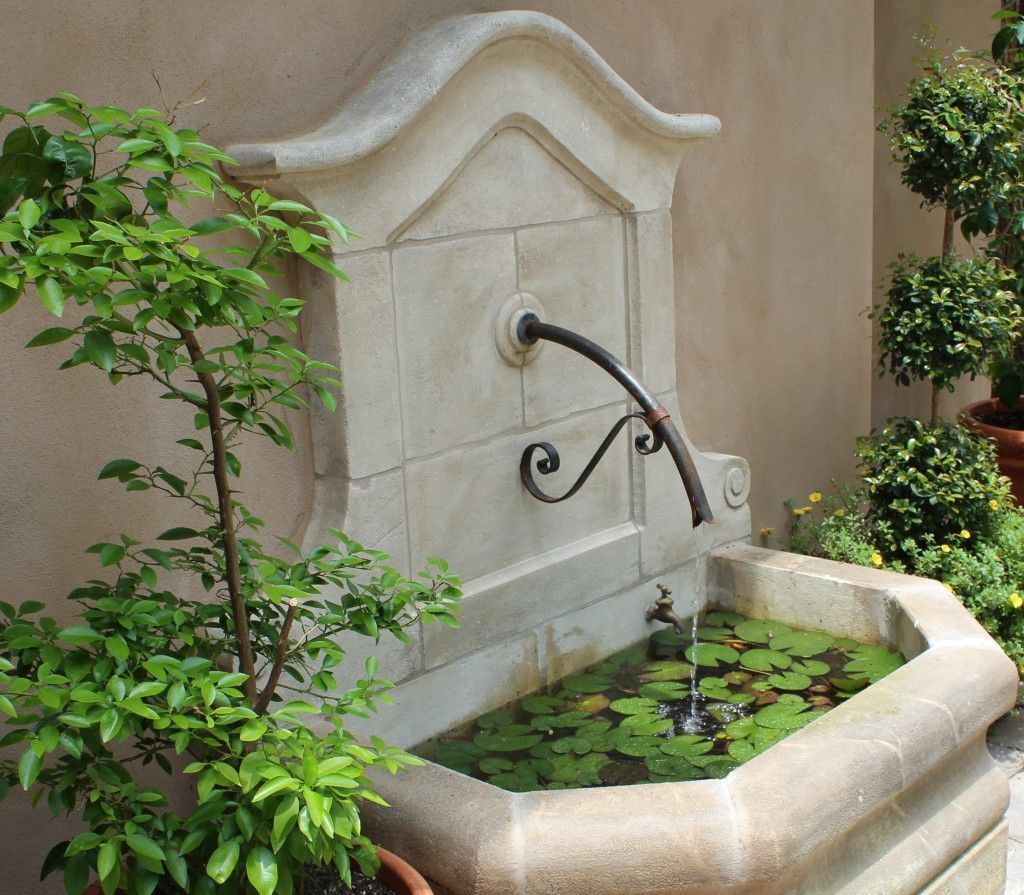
(506, 325)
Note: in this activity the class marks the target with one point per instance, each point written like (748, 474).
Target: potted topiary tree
(1002, 417)
(202, 652)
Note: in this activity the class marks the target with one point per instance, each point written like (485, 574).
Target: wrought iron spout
(530, 328)
(661, 610)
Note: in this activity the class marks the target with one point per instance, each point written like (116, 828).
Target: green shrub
(987, 576)
(945, 318)
(841, 531)
(923, 481)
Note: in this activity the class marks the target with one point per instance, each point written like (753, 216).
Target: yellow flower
(814, 497)
(945, 548)
(1015, 601)
(801, 511)
(993, 504)
(876, 559)
(766, 531)
(841, 512)
(947, 587)
(965, 533)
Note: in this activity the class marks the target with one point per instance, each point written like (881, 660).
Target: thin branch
(279, 659)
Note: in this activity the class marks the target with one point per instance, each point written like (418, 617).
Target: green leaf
(107, 859)
(178, 534)
(144, 846)
(76, 873)
(177, 867)
(756, 630)
(116, 468)
(29, 766)
(101, 349)
(764, 659)
(261, 869)
(300, 239)
(51, 295)
(110, 724)
(803, 643)
(712, 655)
(223, 861)
(276, 785)
(50, 337)
(873, 662)
(28, 214)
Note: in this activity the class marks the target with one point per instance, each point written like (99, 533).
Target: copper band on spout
(653, 417)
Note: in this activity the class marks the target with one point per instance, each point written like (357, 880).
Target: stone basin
(891, 792)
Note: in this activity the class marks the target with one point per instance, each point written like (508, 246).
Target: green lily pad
(846, 644)
(812, 667)
(510, 738)
(542, 750)
(717, 766)
(665, 670)
(670, 766)
(664, 691)
(494, 765)
(742, 750)
(494, 719)
(686, 746)
(514, 783)
(640, 746)
(757, 630)
(577, 745)
(594, 728)
(566, 719)
(764, 659)
(671, 637)
(715, 634)
(735, 678)
(587, 683)
(637, 705)
(458, 755)
(872, 662)
(760, 686)
(541, 705)
(740, 698)
(789, 680)
(802, 643)
(711, 655)
(786, 716)
(609, 741)
(723, 618)
(619, 660)
(533, 767)
(581, 771)
(848, 684)
(646, 724)
(743, 727)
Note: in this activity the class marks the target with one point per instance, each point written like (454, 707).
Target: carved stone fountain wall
(498, 157)
(498, 162)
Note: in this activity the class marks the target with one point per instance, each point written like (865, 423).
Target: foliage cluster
(232, 678)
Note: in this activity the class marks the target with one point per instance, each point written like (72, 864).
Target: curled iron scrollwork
(550, 462)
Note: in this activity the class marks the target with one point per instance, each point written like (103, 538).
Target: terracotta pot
(1009, 444)
(394, 872)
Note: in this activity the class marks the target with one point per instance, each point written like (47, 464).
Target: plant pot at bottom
(1009, 444)
(394, 872)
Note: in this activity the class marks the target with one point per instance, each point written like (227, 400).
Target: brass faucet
(661, 610)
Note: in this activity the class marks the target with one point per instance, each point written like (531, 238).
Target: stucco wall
(901, 225)
(773, 240)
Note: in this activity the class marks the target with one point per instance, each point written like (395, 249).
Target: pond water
(632, 717)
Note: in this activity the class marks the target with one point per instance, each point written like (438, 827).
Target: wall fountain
(507, 184)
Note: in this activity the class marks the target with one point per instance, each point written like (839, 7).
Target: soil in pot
(322, 881)
(1003, 419)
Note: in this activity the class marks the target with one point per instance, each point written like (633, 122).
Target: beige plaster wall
(773, 248)
(900, 224)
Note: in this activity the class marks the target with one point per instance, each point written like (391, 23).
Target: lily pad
(742, 750)
(665, 670)
(565, 719)
(514, 783)
(670, 766)
(872, 662)
(646, 724)
(640, 746)
(536, 767)
(582, 771)
(541, 705)
(789, 680)
(458, 755)
(757, 630)
(494, 765)
(786, 715)
(671, 637)
(736, 677)
(716, 766)
(637, 705)
(764, 659)
(494, 719)
(848, 684)
(802, 643)
(687, 746)
(664, 691)
(619, 660)
(587, 683)
(711, 655)
(714, 634)
(595, 728)
(812, 667)
(511, 738)
(724, 618)
(577, 745)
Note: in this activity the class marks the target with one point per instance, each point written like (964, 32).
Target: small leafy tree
(236, 675)
(957, 137)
